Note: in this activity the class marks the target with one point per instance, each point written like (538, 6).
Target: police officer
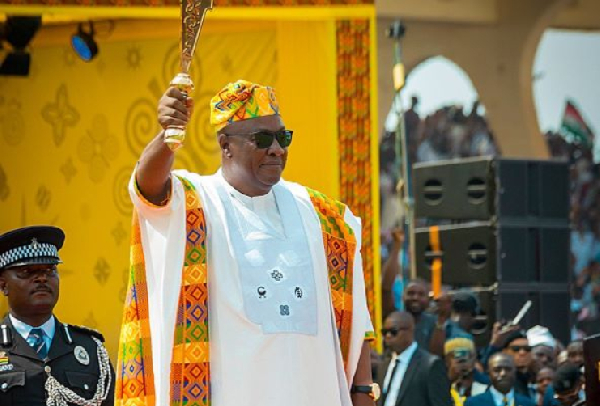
(43, 361)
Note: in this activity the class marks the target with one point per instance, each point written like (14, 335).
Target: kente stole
(190, 365)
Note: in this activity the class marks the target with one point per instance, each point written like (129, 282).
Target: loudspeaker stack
(501, 223)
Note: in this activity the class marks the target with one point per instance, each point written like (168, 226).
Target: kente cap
(242, 100)
(31, 245)
(459, 346)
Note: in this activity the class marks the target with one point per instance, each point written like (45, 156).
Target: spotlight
(84, 44)
(18, 31)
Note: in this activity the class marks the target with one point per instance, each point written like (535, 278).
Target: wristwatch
(372, 390)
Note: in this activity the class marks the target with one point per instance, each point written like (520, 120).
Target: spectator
(542, 347)
(568, 384)
(460, 362)
(416, 301)
(411, 376)
(502, 373)
(543, 356)
(575, 353)
(517, 346)
(465, 308)
(543, 382)
(430, 330)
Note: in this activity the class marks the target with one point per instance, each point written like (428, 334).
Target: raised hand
(174, 109)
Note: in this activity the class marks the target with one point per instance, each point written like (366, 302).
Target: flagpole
(404, 187)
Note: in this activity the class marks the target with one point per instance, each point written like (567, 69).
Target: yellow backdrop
(72, 132)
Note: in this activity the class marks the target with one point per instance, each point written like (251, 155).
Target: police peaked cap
(31, 245)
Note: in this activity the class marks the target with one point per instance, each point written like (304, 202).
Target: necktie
(387, 388)
(36, 341)
(504, 401)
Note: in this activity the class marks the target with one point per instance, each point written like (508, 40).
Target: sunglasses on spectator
(462, 354)
(517, 348)
(264, 139)
(392, 331)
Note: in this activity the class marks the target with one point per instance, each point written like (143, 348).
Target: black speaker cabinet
(550, 307)
(488, 188)
(481, 254)
(591, 355)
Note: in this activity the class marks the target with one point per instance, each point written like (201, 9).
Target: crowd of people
(516, 367)
(585, 233)
(535, 366)
(450, 133)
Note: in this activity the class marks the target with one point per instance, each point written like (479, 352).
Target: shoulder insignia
(87, 330)
(5, 335)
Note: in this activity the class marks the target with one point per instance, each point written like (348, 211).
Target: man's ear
(224, 144)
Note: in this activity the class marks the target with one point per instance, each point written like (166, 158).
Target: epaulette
(5, 336)
(87, 330)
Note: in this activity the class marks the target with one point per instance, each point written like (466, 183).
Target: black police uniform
(23, 374)
(70, 374)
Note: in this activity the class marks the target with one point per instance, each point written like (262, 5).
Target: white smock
(273, 339)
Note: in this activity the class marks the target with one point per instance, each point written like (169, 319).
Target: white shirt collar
(244, 199)
(510, 396)
(24, 329)
(406, 355)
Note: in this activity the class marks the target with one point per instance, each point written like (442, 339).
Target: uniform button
(86, 386)
(4, 386)
(47, 369)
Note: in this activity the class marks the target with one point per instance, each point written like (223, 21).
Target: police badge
(81, 355)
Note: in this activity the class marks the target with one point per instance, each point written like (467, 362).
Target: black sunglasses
(517, 348)
(264, 139)
(393, 331)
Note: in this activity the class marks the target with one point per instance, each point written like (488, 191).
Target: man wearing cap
(568, 384)
(465, 309)
(460, 362)
(245, 289)
(43, 361)
(517, 346)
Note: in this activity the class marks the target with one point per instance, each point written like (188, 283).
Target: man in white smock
(244, 289)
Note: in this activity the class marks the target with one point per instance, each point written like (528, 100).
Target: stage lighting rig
(84, 44)
(15, 35)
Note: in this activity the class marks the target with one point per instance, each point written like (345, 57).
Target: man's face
(31, 289)
(502, 372)
(543, 356)
(416, 298)
(575, 353)
(543, 379)
(460, 364)
(520, 350)
(398, 333)
(259, 168)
